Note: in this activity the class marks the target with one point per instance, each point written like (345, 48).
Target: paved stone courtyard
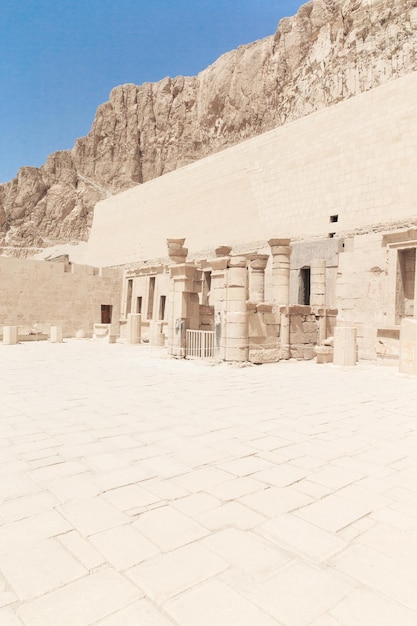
(142, 491)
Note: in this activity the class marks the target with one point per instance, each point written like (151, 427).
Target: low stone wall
(264, 326)
(41, 294)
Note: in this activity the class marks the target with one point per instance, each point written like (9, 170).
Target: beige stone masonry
(40, 294)
(318, 283)
(236, 321)
(354, 160)
(218, 294)
(281, 253)
(345, 348)
(257, 278)
(134, 328)
(183, 305)
(55, 335)
(408, 346)
(10, 335)
(104, 333)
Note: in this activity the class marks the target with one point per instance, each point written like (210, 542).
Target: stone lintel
(295, 309)
(183, 271)
(219, 264)
(322, 311)
(145, 270)
(263, 307)
(238, 261)
(400, 236)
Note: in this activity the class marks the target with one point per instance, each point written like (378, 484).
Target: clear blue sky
(59, 59)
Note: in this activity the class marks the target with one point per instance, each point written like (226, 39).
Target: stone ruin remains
(216, 308)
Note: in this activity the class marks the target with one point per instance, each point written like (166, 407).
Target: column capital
(280, 241)
(259, 262)
(222, 251)
(176, 251)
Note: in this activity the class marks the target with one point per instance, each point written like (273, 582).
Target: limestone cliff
(330, 50)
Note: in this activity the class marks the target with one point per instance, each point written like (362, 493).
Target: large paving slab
(138, 489)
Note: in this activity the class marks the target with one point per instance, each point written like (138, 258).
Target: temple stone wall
(146, 292)
(340, 170)
(362, 290)
(375, 289)
(303, 255)
(42, 294)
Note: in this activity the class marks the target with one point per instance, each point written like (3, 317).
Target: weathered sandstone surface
(329, 51)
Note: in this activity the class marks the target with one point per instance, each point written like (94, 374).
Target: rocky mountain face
(329, 51)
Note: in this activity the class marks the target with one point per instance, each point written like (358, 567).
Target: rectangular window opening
(139, 304)
(406, 271)
(151, 295)
(305, 286)
(162, 303)
(334, 218)
(129, 296)
(205, 294)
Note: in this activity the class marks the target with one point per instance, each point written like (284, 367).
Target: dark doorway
(151, 295)
(162, 303)
(406, 271)
(305, 286)
(129, 296)
(106, 310)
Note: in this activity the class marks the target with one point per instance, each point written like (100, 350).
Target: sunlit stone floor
(137, 490)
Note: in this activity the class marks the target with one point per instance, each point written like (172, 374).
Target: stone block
(260, 355)
(345, 348)
(236, 318)
(324, 354)
(133, 333)
(302, 352)
(237, 278)
(103, 332)
(55, 334)
(10, 334)
(310, 327)
(408, 346)
(270, 319)
(236, 354)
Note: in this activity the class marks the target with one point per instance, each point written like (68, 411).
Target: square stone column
(284, 333)
(55, 334)
(408, 346)
(281, 253)
(134, 328)
(218, 296)
(318, 283)
(345, 348)
(10, 335)
(183, 305)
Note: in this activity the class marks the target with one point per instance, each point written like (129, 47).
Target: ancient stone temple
(298, 236)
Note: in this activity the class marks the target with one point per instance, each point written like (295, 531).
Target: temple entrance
(305, 286)
(406, 272)
(106, 312)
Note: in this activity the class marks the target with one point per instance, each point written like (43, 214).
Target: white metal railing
(199, 344)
